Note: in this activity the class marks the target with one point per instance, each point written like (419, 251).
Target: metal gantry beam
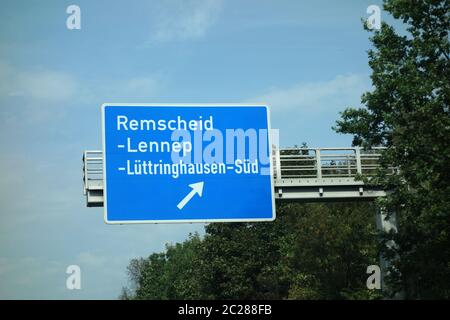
(300, 174)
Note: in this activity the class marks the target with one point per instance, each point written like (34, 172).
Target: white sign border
(181, 105)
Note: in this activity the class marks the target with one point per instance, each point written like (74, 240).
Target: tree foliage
(310, 251)
(408, 112)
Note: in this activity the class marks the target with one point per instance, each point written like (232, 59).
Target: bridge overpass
(300, 174)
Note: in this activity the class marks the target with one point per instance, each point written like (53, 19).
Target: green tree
(332, 245)
(310, 251)
(408, 112)
(242, 261)
(172, 274)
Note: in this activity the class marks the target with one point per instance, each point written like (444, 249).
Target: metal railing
(289, 163)
(92, 170)
(320, 163)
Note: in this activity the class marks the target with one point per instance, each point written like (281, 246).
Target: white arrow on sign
(197, 188)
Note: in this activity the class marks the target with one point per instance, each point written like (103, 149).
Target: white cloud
(136, 89)
(317, 97)
(41, 88)
(183, 20)
(37, 84)
(307, 111)
(46, 85)
(143, 86)
(91, 260)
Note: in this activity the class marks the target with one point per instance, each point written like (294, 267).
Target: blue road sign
(187, 163)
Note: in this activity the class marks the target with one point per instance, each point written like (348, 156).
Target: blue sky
(307, 59)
